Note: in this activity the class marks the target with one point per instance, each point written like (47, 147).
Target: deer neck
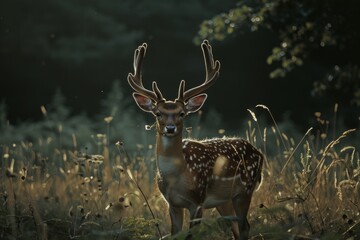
(169, 154)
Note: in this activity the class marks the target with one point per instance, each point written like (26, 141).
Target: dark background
(81, 47)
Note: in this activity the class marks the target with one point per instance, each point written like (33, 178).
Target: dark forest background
(77, 162)
(72, 57)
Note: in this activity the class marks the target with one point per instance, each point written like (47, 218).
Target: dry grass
(310, 190)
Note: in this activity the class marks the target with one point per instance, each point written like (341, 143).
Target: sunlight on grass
(310, 188)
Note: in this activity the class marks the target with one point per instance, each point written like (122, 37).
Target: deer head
(170, 114)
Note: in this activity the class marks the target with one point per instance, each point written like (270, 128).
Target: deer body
(213, 177)
(197, 175)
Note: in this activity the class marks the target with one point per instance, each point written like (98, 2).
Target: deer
(219, 173)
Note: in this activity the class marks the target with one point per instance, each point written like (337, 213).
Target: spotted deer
(216, 173)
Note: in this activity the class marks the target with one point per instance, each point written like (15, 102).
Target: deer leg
(227, 209)
(195, 214)
(241, 205)
(176, 217)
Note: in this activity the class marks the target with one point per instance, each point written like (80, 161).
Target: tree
(117, 113)
(326, 30)
(3, 116)
(85, 44)
(67, 31)
(58, 111)
(115, 101)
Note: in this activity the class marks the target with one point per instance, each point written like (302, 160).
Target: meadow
(62, 179)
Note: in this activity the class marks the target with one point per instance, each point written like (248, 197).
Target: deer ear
(195, 103)
(145, 103)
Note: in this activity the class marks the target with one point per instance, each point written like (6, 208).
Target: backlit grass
(310, 188)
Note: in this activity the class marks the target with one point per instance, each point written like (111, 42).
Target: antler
(212, 73)
(135, 80)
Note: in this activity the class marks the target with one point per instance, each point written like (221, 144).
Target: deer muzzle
(170, 129)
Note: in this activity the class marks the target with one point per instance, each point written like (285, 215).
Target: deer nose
(170, 128)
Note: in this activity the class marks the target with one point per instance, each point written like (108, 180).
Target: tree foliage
(78, 31)
(326, 30)
(82, 46)
(69, 31)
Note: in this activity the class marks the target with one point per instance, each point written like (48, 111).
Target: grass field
(51, 190)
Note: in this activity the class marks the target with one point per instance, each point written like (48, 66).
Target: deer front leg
(176, 217)
(241, 205)
(227, 209)
(195, 215)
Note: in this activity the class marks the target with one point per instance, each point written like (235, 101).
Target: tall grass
(312, 194)
(48, 190)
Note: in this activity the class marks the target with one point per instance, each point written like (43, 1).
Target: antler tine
(139, 55)
(212, 73)
(181, 90)
(212, 67)
(135, 80)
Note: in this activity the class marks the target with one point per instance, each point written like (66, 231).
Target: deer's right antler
(135, 80)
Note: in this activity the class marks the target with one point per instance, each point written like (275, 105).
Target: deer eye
(182, 114)
(158, 114)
